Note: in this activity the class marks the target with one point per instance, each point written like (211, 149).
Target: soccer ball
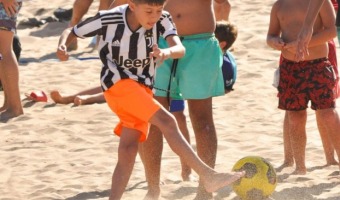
(259, 181)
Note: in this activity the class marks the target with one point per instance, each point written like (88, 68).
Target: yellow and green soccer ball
(260, 179)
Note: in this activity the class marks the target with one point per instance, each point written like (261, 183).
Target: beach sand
(68, 152)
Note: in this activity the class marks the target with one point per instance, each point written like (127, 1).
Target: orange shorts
(133, 103)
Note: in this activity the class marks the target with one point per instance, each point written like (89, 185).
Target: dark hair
(150, 2)
(227, 32)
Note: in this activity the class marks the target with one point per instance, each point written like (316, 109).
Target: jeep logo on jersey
(128, 63)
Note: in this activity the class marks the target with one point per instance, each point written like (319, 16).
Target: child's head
(147, 12)
(150, 2)
(226, 34)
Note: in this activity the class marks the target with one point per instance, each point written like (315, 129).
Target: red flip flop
(37, 96)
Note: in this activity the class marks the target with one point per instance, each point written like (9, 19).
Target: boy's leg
(297, 132)
(287, 147)
(9, 76)
(330, 118)
(127, 151)
(326, 140)
(182, 124)
(206, 140)
(151, 154)
(211, 180)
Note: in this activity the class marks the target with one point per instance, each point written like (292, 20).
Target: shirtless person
(310, 80)
(200, 68)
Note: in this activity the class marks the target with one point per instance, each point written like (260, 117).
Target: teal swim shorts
(197, 75)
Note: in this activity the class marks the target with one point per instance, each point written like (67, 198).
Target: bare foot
(3, 108)
(58, 98)
(203, 195)
(152, 195)
(8, 114)
(300, 172)
(331, 162)
(219, 180)
(189, 177)
(284, 165)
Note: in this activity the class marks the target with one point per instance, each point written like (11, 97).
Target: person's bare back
(291, 15)
(192, 17)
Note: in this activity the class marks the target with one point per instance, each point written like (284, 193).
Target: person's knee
(128, 150)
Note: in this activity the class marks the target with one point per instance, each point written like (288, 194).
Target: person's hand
(277, 43)
(159, 55)
(10, 7)
(62, 53)
(291, 47)
(303, 40)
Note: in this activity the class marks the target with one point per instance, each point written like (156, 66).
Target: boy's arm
(327, 15)
(274, 31)
(65, 40)
(306, 32)
(175, 50)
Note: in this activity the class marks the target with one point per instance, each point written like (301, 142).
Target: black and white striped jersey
(124, 53)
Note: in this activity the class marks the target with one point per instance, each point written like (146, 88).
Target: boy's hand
(278, 43)
(159, 55)
(291, 47)
(10, 6)
(62, 53)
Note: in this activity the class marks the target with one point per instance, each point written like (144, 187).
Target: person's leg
(200, 112)
(182, 123)
(287, 147)
(66, 99)
(211, 180)
(80, 8)
(151, 154)
(330, 119)
(326, 141)
(297, 132)
(9, 76)
(127, 151)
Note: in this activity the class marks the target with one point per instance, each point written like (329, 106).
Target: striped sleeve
(167, 25)
(89, 27)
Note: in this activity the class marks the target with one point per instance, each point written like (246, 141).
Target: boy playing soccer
(128, 50)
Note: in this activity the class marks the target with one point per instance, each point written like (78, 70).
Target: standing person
(310, 80)
(199, 68)
(9, 69)
(326, 142)
(128, 52)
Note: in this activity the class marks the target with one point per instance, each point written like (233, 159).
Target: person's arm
(116, 3)
(327, 15)
(10, 6)
(175, 50)
(222, 9)
(65, 39)
(274, 31)
(306, 32)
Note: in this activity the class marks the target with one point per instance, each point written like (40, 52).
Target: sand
(69, 152)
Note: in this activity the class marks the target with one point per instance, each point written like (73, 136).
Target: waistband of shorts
(318, 60)
(198, 36)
